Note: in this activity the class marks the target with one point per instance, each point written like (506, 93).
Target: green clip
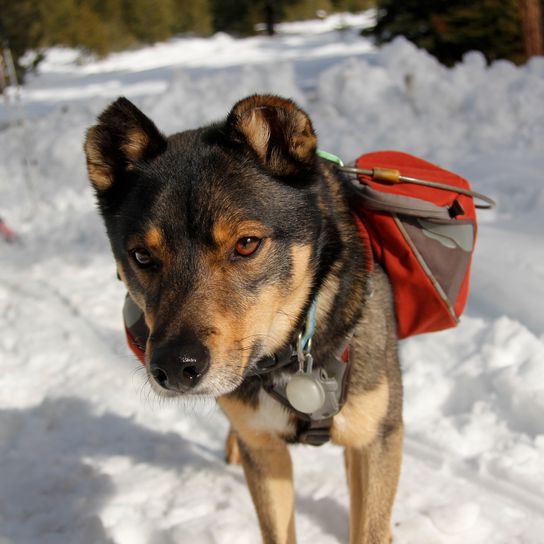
(329, 157)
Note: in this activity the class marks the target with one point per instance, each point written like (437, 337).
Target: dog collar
(314, 391)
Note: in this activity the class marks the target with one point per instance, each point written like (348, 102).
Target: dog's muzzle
(177, 365)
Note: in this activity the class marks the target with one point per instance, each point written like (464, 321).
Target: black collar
(280, 359)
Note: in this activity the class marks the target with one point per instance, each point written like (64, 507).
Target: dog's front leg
(269, 474)
(232, 449)
(268, 469)
(373, 473)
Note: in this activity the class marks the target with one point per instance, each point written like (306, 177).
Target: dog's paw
(232, 449)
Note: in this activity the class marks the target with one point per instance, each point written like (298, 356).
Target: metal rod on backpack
(391, 175)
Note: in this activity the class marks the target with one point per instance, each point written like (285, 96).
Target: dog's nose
(179, 366)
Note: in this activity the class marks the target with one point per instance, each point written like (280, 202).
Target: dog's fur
(185, 202)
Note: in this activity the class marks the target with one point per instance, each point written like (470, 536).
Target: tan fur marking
(154, 241)
(153, 238)
(99, 172)
(283, 306)
(357, 424)
(237, 333)
(327, 295)
(135, 145)
(91, 149)
(227, 233)
(232, 449)
(256, 130)
(223, 233)
(235, 409)
(100, 176)
(303, 140)
(150, 322)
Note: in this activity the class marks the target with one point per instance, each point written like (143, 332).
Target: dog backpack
(420, 222)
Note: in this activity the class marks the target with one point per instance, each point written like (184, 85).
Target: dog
(237, 242)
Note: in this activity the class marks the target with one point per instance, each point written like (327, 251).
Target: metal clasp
(304, 357)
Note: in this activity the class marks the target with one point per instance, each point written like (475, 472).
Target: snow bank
(88, 455)
(405, 99)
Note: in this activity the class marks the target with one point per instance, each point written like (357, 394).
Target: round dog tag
(305, 393)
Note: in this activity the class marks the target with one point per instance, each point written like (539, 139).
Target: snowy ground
(88, 455)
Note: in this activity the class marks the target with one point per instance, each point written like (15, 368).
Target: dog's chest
(270, 416)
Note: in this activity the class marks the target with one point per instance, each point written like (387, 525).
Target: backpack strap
(400, 204)
(317, 433)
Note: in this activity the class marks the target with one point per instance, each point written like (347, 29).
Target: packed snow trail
(88, 454)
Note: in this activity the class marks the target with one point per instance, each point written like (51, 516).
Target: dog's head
(216, 233)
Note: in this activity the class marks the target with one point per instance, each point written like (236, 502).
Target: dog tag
(305, 393)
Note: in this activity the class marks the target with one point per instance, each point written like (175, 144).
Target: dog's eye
(247, 246)
(142, 258)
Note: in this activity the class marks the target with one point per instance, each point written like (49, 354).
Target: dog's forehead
(200, 170)
(201, 182)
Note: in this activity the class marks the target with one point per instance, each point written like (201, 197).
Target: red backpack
(420, 222)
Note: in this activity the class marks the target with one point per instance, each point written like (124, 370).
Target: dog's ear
(279, 132)
(122, 137)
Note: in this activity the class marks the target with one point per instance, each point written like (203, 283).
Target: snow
(88, 454)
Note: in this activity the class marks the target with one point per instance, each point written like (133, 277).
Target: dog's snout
(179, 366)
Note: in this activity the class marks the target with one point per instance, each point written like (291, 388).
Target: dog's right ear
(278, 131)
(122, 137)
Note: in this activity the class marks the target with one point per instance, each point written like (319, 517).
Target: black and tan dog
(226, 237)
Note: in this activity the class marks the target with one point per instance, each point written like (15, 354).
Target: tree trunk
(531, 27)
(3, 82)
(270, 16)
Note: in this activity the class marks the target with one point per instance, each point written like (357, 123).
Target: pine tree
(490, 26)
(352, 5)
(305, 9)
(448, 29)
(148, 20)
(20, 29)
(233, 16)
(192, 16)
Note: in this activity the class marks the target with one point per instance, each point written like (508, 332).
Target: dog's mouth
(211, 389)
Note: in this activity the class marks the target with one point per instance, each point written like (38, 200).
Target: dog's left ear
(122, 137)
(280, 133)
